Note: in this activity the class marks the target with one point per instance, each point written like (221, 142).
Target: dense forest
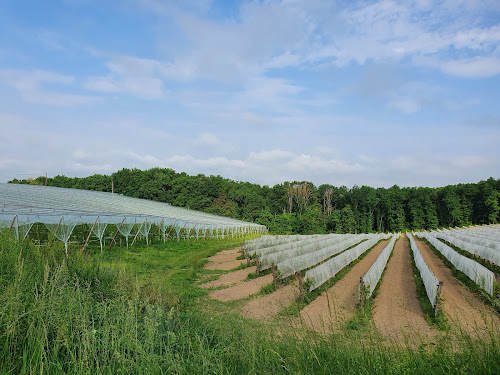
(300, 206)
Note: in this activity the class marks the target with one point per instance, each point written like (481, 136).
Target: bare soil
(465, 312)
(230, 278)
(268, 306)
(241, 290)
(225, 260)
(397, 312)
(330, 310)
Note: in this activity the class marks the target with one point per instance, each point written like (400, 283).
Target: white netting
(371, 278)
(430, 281)
(324, 272)
(476, 272)
(254, 245)
(261, 252)
(293, 249)
(292, 264)
(484, 252)
(98, 230)
(276, 254)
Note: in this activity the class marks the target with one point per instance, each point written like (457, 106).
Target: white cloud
(29, 83)
(478, 67)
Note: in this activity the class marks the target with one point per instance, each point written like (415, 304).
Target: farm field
(200, 306)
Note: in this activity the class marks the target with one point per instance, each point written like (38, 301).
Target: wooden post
(437, 304)
(273, 268)
(298, 274)
(361, 297)
(138, 232)
(88, 237)
(113, 240)
(257, 263)
(60, 220)
(12, 223)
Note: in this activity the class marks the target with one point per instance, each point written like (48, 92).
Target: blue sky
(368, 92)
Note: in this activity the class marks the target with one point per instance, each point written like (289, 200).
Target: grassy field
(140, 312)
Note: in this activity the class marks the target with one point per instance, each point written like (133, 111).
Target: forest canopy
(300, 206)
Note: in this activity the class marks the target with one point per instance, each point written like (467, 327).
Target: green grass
(140, 312)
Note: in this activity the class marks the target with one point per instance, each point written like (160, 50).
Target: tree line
(300, 206)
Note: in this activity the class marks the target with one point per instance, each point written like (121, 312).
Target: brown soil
(397, 312)
(268, 306)
(229, 278)
(463, 310)
(330, 310)
(241, 290)
(225, 260)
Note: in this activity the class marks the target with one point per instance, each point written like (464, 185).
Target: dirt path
(225, 260)
(330, 310)
(463, 310)
(241, 290)
(268, 306)
(229, 278)
(397, 312)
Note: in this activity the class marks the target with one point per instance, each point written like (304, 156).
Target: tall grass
(72, 315)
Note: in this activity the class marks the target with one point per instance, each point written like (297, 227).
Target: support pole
(88, 237)
(138, 232)
(113, 240)
(12, 223)
(298, 274)
(273, 269)
(437, 304)
(361, 296)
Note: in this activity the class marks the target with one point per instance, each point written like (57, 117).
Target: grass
(140, 312)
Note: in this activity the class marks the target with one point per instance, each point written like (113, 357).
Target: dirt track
(463, 310)
(225, 260)
(229, 278)
(268, 306)
(332, 308)
(241, 290)
(397, 312)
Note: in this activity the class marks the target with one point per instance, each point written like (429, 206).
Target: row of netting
(320, 274)
(470, 245)
(257, 245)
(62, 228)
(292, 264)
(431, 282)
(278, 253)
(371, 278)
(491, 231)
(475, 271)
(474, 238)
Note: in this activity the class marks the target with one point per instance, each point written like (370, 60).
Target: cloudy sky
(343, 92)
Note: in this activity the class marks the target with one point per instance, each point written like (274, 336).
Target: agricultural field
(338, 303)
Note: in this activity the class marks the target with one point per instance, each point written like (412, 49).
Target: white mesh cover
(484, 252)
(371, 278)
(430, 281)
(476, 272)
(301, 262)
(324, 272)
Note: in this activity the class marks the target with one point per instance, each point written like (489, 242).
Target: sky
(370, 93)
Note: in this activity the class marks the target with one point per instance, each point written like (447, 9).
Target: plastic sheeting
(256, 245)
(298, 263)
(324, 272)
(262, 252)
(476, 272)
(372, 277)
(430, 281)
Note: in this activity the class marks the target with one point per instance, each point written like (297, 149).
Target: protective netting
(324, 272)
(21, 206)
(372, 277)
(293, 264)
(276, 254)
(484, 252)
(98, 229)
(295, 249)
(476, 272)
(262, 252)
(430, 281)
(256, 245)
